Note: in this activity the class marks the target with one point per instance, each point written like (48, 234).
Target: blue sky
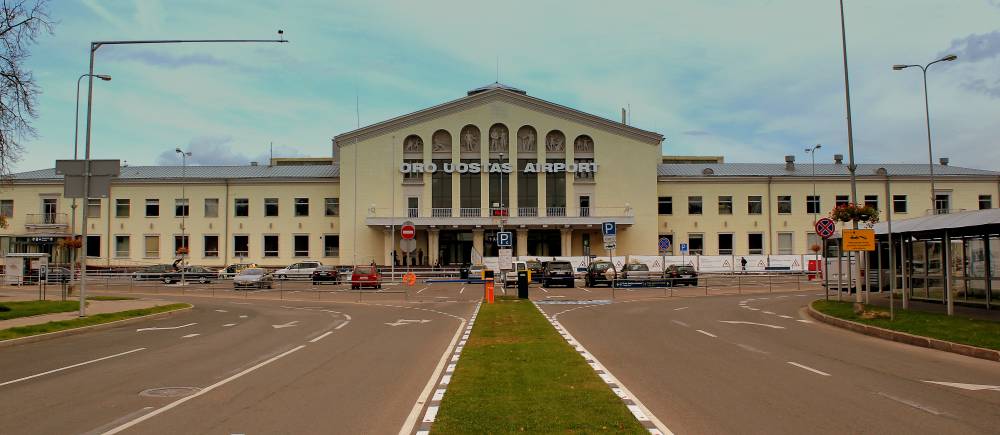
(751, 81)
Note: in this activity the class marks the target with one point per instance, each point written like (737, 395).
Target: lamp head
(949, 58)
(899, 67)
(104, 77)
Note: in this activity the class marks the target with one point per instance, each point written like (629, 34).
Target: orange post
(489, 291)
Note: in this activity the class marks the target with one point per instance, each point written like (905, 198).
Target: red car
(365, 276)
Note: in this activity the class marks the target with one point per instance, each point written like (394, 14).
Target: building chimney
(623, 116)
(789, 163)
(838, 159)
(253, 163)
(944, 161)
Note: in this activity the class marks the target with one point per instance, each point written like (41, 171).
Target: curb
(902, 337)
(82, 329)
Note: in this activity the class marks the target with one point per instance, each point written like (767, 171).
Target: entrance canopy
(962, 223)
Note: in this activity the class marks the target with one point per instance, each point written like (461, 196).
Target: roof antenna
(270, 161)
(498, 69)
(357, 106)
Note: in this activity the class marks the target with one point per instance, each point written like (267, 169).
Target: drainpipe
(769, 235)
(226, 235)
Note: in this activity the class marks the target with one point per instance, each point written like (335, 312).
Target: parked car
(233, 270)
(151, 273)
(191, 273)
(300, 270)
(325, 274)
(681, 275)
(597, 273)
(636, 271)
(510, 276)
(476, 271)
(557, 272)
(536, 269)
(253, 277)
(365, 276)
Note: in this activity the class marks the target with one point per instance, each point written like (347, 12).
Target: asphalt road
(235, 365)
(758, 364)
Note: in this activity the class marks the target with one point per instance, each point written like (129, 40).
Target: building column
(478, 240)
(566, 237)
(433, 236)
(522, 242)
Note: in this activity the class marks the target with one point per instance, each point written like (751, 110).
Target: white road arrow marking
(752, 323)
(972, 387)
(165, 327)
(406, 322)
(286, 325)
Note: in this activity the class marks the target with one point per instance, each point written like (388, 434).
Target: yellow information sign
(859, 240)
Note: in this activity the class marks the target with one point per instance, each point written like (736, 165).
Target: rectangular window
(271, 246)
(301, 206)
(584, 175)
(211, 207)
(413, 175)
(665, 205)
(725, 205)
(468, 185)
(694, 205)
(871, 201)
(812, 204)
(301, 245)
(785, 244)
(331, 245)
(241, 207)
(182, 242)
(899, 203)
(696, 244)
(152, 208)
(441, 186)
(94, 208)
(332, 207)
(942, 203)
(527, 187)
(985, 202)
(241, 246)
(784, 204)
(499, 184)
(842, 200)
(755, 243)
(270, 207)
(181, 207)
(93, 246)
(121, 246)
(814, 241)
(7, 208)
(755, 205)
(555, 187)
(152, 246)
(412, 207)
(211, 246)
(726, 244)
(123, 207)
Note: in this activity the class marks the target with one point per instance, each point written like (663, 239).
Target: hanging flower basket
(70, 242)
(815, 248)
(851, 212)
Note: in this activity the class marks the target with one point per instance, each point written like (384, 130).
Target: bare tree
(20, 24)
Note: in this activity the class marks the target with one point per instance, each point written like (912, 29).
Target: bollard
(769, 287)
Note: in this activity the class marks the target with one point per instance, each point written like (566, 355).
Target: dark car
(536, 269)
(325, 274)
(191, 273)
(597, 273)
(681, 275)
(556, 273)
(154, 272)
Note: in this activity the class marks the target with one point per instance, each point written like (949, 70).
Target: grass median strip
(14, 310)
(517, 374)
(957, 329)
(96, 319)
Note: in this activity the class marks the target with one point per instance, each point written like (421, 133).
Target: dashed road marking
(707, 333)
(681, 323)
(768, 312)
(322, 336)
(70, 366)
(911, 403)
(462, 290)
(804, 321)
(681, 308)
(784, 316)
(421, 290)
(228, 325)
(221, 311)
(544, 290)
(740, 322)
(190, 335)
(805, 367)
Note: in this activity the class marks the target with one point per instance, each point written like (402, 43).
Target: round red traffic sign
(826, 228)
(407, 232)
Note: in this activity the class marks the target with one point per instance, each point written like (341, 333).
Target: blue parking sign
(684, 247)
(504, 239)
(609, 229)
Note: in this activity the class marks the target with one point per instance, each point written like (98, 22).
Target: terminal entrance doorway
(455, 247)
(544, 243)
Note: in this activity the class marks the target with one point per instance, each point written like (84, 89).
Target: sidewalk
(882, 300)
(93, 307)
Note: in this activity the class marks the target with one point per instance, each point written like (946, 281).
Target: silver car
(253, 277)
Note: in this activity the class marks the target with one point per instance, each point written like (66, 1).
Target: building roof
(496, 85)
(201, 172)
(936, 222)
(805, 170)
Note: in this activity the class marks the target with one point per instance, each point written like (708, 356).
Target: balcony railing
(47, 219)
(584, 211)
(412, 212)
(441, 212)
(467, 212)
(527, 211)
(555, 211)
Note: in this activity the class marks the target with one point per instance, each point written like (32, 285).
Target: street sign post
(407, 231)
(664, 245)
(609, 229)
(825, 228)
(859, 240)
(505, 239)
(684, 251)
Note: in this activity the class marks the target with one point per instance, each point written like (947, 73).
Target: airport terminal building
(459, 171)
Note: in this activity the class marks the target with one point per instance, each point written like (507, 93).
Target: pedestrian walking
(743, 263)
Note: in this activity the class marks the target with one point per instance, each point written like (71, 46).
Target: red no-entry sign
(407, 232)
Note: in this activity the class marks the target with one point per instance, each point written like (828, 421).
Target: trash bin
(463, 273)
(522, 284)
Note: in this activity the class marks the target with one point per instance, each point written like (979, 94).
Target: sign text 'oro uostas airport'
(476, 168)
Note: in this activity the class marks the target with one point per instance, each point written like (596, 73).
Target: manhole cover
(169, 392)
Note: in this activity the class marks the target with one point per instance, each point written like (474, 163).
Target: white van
(510, 276)
(841, 280)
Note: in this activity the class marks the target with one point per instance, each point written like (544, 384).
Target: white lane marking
(681, 323)
(754, 309)
(911, 403)
(784, 316)
(342, 325)
(228, 325)
(584, 289)
(555, 296)
(406, 322)
(285, 325)
(431, 414)
(750, 348)
(165, 328)
(740, 322)
(321, 336)
(780, 297)
(971, 387)
(768, 312)
(241, 303)
(804, 321)
(190, 335)
(221, 311)
(681, 308)
(707, 333)
(244, 316)
(544, 290)
(203, 391)
(804, 367)
(462, 290)
(421, 290)
(14, 381)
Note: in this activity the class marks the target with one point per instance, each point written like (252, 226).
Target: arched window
(470, 139)
(527, 139)
(499, 138)
(413, 144)
(441, 142)
(555, 142)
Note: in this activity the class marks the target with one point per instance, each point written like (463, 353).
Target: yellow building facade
(458, 172)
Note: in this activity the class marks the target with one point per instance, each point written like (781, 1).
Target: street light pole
(76, 139)
(851, 166)
(94, 46)
(186, 210)
(812, 153)
(927, 117)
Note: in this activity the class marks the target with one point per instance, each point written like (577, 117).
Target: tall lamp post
(812, 153)
(187, 208)
(927, 115)
(851, 166)
(76, 137)
(94, 46)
